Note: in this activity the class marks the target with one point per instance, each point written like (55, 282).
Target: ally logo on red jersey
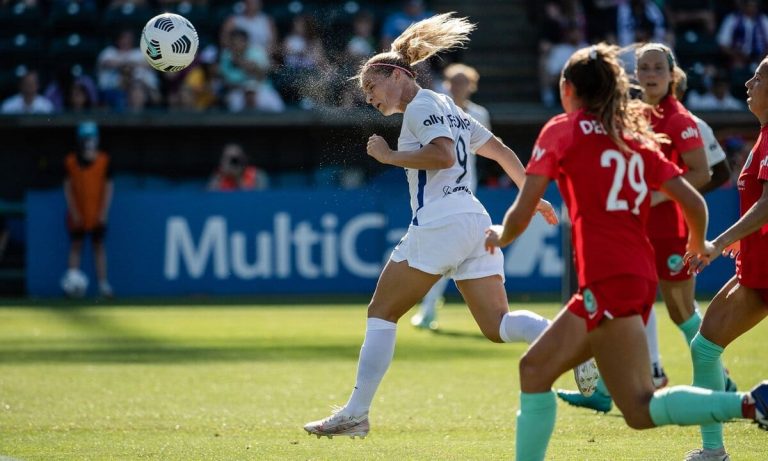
(690, 132)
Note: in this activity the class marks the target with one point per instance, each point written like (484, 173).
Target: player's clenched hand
(493, 238)
(548, 211)
(699, 257)
(378, 148)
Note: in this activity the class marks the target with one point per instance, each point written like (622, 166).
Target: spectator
(27, 101)
(718, 98)
(553, 61)
(259, 26)
(197, 90)
(88, 191)
(362, 44)
(118, 65)
(743, 35)
(395, 23)
(555, 19)
(241, 63)
(634, 15)
(601, 25)
(234, 172)
(306, 74)
(692, 14)
(255, 96)
(72, 93)
(359, 48)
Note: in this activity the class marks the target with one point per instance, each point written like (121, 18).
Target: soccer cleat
(707, 454)
(424, 321)
(598, 401)
(339, 424)
(758, 400)
(586, 376)
(660, 378)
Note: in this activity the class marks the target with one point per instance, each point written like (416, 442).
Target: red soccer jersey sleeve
(671, 118)
(545, 159)
(751, 264)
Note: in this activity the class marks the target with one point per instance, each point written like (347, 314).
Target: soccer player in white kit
(447, 230)
(460, 82)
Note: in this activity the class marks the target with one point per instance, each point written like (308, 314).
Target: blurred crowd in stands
(718, 43)
(83, 55)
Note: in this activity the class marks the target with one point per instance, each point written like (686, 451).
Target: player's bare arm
(518, 216)
(436, 155)
(496, 150)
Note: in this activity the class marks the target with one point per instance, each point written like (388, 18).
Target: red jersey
(671, 118)
(752, 262)
(607, 193)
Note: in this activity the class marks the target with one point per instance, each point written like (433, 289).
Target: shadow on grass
(136, 351)
(459, 334)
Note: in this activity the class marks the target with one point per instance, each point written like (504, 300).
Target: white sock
(375, 357)
(652, 336)
(429, 303)
(522, 325)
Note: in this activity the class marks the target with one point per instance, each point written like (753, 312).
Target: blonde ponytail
(417, 43)
(431, 36)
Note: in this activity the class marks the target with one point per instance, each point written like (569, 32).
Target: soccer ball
(169, 42)
(74, 283)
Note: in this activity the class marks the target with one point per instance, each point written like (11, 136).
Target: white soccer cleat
(707, 454)
(339, 424)
(586, 376)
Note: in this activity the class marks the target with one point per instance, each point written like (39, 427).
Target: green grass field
(234, 382)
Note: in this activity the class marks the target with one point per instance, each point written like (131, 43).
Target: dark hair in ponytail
(602, 86)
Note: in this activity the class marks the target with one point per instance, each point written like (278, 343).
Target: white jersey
(715, 153)
(479, 113)
(439, 193)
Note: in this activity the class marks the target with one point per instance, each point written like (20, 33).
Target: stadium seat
(19, 18)
(126, 16)
(70, 17)
(693, 46)
(74, 49)
(22, 49)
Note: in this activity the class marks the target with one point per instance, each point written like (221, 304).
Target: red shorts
(669, 259)
(620, 296)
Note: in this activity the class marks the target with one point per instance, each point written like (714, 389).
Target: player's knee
(492, 333)
(638, 420)
(530, 368)
(637, 413)
(382, 311)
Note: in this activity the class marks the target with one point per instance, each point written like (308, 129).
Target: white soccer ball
(169, 42)
(74, 283)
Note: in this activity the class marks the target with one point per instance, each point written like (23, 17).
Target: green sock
(708, 373)
(535, 422)
(691, 326)
(691, 406)
(600, 387)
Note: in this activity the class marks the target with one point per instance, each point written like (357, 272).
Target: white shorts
(452, 246)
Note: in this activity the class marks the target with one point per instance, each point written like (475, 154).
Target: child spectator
(88, 191)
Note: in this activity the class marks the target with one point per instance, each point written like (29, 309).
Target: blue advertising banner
(166, 242)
